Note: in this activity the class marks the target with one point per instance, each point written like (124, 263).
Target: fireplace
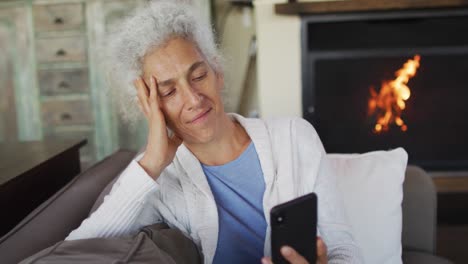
(348, 57)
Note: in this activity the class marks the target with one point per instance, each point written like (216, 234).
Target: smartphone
(294, 224)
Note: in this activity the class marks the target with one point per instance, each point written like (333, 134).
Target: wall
(235, 28)
(278, 61)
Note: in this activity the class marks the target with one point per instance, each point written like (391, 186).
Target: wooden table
(31, 172)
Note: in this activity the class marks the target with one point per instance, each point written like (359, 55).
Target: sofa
(52, 221)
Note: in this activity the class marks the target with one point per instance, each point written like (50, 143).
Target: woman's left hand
(293, 257)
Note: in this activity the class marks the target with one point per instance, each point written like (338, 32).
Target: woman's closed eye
(200, 77)
(169, 93)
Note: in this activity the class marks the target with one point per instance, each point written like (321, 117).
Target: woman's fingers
(153, 95)
(148, 97)
(292, 256)
(142, 94)
(321, 251)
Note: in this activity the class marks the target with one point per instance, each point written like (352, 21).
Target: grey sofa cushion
(154, 244)
(419, 211)
(174, 242)
(139, 249)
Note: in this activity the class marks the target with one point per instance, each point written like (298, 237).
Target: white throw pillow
(372, 189)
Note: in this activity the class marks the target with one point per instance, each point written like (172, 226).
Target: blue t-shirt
(238, 189)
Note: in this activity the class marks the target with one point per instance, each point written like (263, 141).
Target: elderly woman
(214, 176)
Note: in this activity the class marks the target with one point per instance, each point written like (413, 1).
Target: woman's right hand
(160, 148)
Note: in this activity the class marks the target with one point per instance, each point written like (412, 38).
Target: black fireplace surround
(346, 54)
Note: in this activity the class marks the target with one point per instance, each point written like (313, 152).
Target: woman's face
(188, 88)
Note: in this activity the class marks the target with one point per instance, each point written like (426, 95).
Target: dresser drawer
(63, 81)
(66, 49)
(66, 112)
(55, 17)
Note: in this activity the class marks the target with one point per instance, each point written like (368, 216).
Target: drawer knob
(63, 85)
(61, 52)
(58, 21)
(65, 116)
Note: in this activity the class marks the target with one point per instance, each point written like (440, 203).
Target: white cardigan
(293, 162)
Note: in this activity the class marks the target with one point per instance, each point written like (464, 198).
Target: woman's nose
(193, 98)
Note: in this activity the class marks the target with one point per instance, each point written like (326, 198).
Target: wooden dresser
(52, 84)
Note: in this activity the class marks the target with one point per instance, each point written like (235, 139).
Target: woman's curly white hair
(146, 29)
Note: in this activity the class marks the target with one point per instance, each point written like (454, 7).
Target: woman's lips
(201, 117)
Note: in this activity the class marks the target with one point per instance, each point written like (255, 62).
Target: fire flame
(388, 104)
